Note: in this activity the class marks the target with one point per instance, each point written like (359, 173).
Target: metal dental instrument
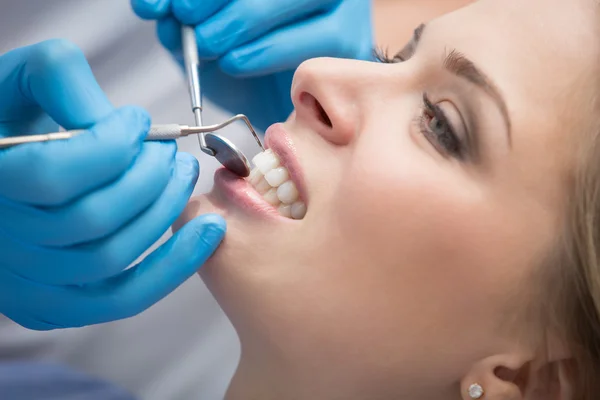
(192, 70)
(214, 145)
(224, 151)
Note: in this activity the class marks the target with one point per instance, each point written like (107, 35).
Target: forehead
(543, 55)
(538, 52)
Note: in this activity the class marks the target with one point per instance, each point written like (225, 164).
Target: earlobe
(511, 377)
(502, 377)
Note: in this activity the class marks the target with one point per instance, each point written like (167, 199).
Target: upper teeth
(272, 180)
(277, 176)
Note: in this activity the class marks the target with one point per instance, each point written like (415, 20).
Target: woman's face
(434, 188)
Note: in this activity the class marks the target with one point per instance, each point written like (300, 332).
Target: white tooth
(262, 186)
(277, 176)
(255, 176)
(266, 161)
(285, 210)
(298, 210)
(287, 192)
(257, 158)
(271, 197)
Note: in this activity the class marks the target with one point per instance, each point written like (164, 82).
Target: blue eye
(436, 127)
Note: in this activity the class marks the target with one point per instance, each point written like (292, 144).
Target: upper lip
(277, 139)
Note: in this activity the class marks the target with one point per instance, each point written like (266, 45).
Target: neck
(253, 381)
(274, 372)
(263, 381)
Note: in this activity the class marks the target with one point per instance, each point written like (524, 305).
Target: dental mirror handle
(192, 70)
(156, 132)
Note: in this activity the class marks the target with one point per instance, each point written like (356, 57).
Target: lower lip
(242, 194)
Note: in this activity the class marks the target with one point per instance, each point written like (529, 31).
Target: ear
(516, 377)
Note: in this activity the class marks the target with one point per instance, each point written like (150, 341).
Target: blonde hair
(577, 303)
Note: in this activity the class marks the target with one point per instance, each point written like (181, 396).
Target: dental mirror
(228, 154)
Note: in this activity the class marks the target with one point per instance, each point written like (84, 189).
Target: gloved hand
(252, 47)
(74, 214)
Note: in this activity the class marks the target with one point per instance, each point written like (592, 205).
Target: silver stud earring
(476, 391)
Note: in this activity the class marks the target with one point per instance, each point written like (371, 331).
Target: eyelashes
(407, 52)
(383, 56)
(437, 128)
(433, 122)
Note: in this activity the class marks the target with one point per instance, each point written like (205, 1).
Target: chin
(233, 272)
(260, 272)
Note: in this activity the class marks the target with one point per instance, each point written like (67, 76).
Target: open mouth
(272, 181)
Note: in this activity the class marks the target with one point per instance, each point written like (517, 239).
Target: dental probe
(223, 150)
(213, 145)
(192, 70)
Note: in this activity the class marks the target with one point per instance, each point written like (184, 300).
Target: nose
(331, 96)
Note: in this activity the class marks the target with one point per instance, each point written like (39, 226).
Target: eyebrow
(459, 65)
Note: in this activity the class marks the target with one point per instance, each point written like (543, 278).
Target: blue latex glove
(252, 47)
(74, 214)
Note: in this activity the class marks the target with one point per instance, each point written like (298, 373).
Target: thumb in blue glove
(251, 48)
(75, 214)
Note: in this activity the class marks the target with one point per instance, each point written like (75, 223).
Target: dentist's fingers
(151, 9)
(57, 172)
(53, 76)
(160, 273)
(194, 12)
(236, 23)
(100, 213)
(126, 294)
(168, 31)
(11, 307)
(108, 256)
(285, 49)
(241, 21)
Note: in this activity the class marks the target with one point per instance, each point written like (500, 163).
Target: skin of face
(408, 275)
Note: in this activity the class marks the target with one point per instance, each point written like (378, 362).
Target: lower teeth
(271, 180)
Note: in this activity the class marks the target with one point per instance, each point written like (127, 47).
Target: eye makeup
(435, 125)
(439, 119)
(432, 121)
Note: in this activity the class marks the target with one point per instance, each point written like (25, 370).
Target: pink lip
(240, 192)
(278, 140)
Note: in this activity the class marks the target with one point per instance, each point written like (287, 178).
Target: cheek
(421, 236)
(417, 209)
(403, 248)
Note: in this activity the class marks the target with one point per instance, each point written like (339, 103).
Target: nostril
(317, 108)
(323, 115)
